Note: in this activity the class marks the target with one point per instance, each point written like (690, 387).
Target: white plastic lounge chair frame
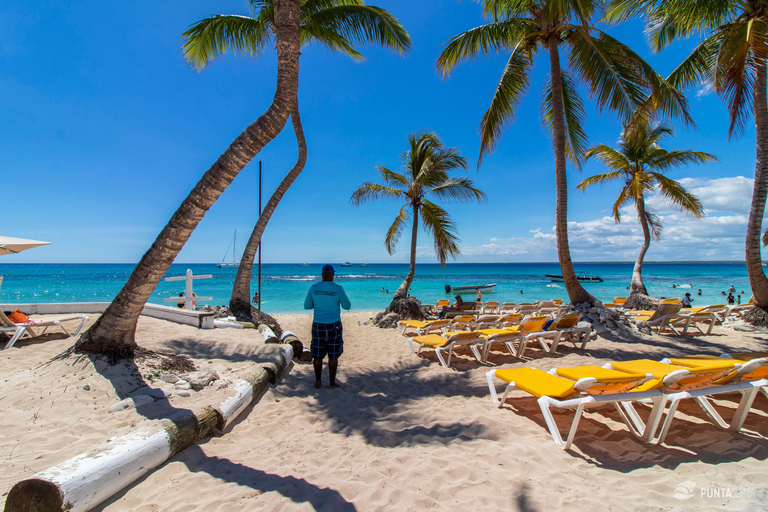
(580, 402)
(749, 390)
(28, 328)
(456, 340)
(507, 339)
(422, 327)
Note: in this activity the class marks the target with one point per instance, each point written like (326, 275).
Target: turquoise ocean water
(284, 286)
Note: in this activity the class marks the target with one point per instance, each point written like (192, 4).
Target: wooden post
(189, 296)
(86, 480)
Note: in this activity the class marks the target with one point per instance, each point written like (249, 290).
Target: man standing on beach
(325, 298)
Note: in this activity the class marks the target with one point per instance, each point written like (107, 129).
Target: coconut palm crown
(336, 24)
(731, 59)
(615, 77)
(641, 165)
(426, 174)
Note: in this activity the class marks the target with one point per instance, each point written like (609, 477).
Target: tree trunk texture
(576, 292)
(757, 279)
(240, 301)
(115, 330)
(641, 301)
(637, 285)
(402, 292)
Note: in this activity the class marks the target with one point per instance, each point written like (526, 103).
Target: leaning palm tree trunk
(576, 292)
(402, 291)
(637, 285)
(115, 330)
(239, 302)
(757, 279)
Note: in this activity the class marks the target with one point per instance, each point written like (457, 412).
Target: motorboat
(346, 264)
(583, 277)
(472, 288)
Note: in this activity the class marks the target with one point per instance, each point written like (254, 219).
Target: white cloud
(705, 90)
(719, 235)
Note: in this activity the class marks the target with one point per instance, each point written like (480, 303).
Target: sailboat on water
(234, 263)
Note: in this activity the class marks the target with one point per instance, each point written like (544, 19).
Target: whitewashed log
(267, 334)
(86, 480)
(250, 386)
(90, 478)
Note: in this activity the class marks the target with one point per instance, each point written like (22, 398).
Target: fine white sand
(403, 433)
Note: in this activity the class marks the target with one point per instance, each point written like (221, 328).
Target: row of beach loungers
(541, 322)
(659, 385)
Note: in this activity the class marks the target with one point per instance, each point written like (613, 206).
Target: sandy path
(406, 434)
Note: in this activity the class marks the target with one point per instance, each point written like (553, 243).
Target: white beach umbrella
(10, 245)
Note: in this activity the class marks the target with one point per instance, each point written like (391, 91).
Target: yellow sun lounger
(566, 324)
(694, 380)
(449, 342)
(532, 328)
(575, 387)
(422, 327)
(750, 374)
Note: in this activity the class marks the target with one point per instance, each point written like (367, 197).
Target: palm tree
(114, 332)
(426, 174)
(641, 165)
(336, 24)
(732, 60)
(616, 77)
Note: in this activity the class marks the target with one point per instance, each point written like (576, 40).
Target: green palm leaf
(438, 223)
(395, 230)
(483, 40)
(575, 118)
(210, 38)
(512, 86)
(356, 24)
(371, 191)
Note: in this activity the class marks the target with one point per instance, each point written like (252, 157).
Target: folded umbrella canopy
(10, 245)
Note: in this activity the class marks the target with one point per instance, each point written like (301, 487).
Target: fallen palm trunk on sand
(86, 480)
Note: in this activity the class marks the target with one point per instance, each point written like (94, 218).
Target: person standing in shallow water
(326, 298)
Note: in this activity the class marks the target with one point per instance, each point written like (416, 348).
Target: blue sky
(105, 129)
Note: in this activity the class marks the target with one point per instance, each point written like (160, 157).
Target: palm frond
(698, 67)
(439, 225)
(393, 178)
(511, 87)
(501, 9)
(611, 157)
(603, 64)
(396, 229)
(735, 66)
(599, 179)
(619, 11)
(354, 22)
(210, 38)
(677, 158)
(664, 98)
(459, 189)
(654, 223)
(625, 196)
(575, 118)
(490, 38)
(676, 194)
(371, 191)
(671, 19)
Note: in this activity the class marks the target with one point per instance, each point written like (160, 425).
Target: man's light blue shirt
(325, 298)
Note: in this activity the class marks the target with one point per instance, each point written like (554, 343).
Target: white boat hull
(472, 288)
